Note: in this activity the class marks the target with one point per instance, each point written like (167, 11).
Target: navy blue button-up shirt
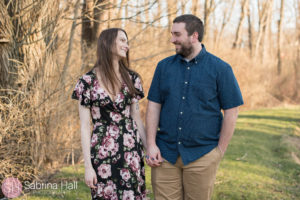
(192, 95)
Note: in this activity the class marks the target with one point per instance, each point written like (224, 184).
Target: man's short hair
(192, 24)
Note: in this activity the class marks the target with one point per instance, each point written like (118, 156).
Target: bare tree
(297, 59)
(7, 70)
(209, 7)
(92, 11)
(238, 35)
(250, 37)
(263, 9)
(228, 10)
(267, 32)
(195, 5)
(279, 33)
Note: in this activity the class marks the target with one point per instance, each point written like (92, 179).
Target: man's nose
(172, 39)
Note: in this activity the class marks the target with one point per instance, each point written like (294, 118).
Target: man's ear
(195, 37)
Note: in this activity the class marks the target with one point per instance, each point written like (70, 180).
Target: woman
(109, 93)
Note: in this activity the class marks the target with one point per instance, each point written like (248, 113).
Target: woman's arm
(85, 126)
(135, 114)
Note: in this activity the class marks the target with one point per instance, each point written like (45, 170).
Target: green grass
(258, 164)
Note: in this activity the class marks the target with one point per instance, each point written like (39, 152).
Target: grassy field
(262, 162)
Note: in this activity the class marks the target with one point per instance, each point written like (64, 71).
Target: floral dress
(116, 148)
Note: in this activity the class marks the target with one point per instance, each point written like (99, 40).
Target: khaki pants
(194, 181)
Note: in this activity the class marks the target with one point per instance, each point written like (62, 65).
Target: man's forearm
(228, 126)
(152, 120)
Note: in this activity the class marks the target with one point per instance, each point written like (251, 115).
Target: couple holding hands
(186, 133)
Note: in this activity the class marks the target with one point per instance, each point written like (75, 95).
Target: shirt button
(179, 128)
(179, 142)
(181, 113)
(188, 68)
(186, 82)
(183, 97)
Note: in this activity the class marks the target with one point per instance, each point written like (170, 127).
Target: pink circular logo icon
(11, 187)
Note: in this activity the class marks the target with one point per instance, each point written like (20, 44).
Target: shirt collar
(198, 57)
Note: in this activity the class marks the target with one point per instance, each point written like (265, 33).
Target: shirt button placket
(184, 92)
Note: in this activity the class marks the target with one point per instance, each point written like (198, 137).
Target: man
(187, 134)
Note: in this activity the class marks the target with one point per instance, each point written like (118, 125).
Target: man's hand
(153, 156)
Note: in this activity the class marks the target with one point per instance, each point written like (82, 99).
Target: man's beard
(185, 50)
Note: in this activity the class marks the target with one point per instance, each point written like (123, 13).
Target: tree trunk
(91, 14)
(279, 33)
(262, 20)
(238, 35)
(7, 69)
(195, 7)
(297, 59)
(169, 8)
(209, 7)
(226, 18)
(249, 30)
(267, 29)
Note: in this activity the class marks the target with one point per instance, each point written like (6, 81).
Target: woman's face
(121, 47)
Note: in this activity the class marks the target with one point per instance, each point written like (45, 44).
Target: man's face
(181, 40)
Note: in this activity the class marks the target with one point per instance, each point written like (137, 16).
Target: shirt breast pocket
(167, 86)
(204, 92)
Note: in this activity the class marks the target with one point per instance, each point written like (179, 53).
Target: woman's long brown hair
(105, 46)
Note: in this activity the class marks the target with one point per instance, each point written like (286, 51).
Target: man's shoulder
(168, 60)
(216, 61)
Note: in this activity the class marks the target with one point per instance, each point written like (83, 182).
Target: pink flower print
(128, 157)
(96, 125)
(94, 95)
(79, 89)
(128, 195)
(116, 117)
(136, 155)
(96, 112)
(104, 170)
(109, 190)
(128, 141)
(115, 150)
(125, 174)
(99, 90)
(126, 89)
(133, 160)
(135, 164)
(94, 140)
(120, 98)
(87, 79)
(113, 131)
(109, 143)
(129, 127)
(126, 111)
(100, 187)
(103, 152)
(140, 181)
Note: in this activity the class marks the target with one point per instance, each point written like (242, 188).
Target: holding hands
(153, 156)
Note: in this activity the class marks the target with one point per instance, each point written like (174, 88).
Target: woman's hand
(90, 177)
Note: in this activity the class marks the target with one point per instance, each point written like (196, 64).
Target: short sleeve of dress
(138, 86)
(82, 91)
